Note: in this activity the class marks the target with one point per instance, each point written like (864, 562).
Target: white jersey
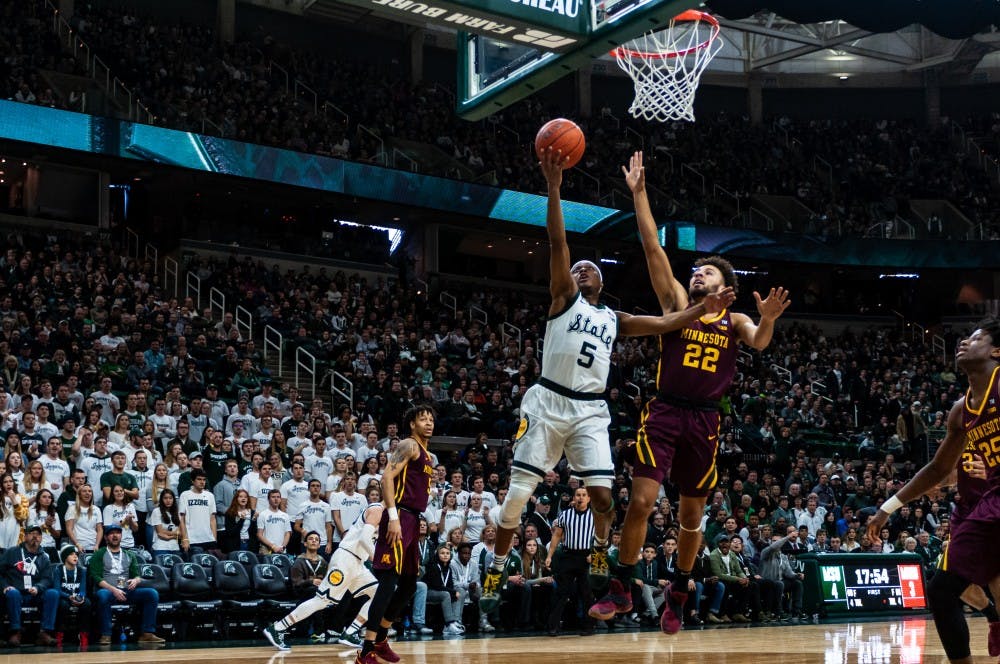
(360, 537)
(578, 345)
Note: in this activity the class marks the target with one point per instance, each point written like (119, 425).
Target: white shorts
(553, 424)
(345, 574)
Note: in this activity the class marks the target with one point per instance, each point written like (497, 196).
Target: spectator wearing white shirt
(109, 403)
(242, 414)
(341, 448)
(265, 396)
(55, 467)
(295, 492)
(43, 426)
(319, 465)
(478, 489)
(165, 426)
(197, 511)
(265, 431)
(315, 515)
(812, 517)
(261, 486)
(369, 450)
(96, 464)
(346, 505)
(274, 527)
(219, 409)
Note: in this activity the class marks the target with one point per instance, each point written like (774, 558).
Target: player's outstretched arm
(770, 309)
(669, 291)
(639, 326)
(928, 477)
(561, 284)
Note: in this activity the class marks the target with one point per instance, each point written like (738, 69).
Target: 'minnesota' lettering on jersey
(698, 361)
(578, 346)
(982, 429)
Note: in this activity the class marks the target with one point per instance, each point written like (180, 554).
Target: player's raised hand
(635, 174)
(716, 302)
(552, 163)
(875, 523)
(774, 304)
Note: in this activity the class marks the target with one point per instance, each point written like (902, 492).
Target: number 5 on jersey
(587, 350)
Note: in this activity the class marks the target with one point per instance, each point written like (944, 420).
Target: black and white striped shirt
(578, 529)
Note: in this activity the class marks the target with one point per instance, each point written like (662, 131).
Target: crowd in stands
(135, 423)
(856, 177)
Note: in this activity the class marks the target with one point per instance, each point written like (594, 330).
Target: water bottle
(406, 623)
(123, 638)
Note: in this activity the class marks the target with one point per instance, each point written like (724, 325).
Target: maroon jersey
(698, 361)
(982, 436)
(413, 485)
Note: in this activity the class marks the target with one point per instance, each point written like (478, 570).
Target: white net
(666, 66)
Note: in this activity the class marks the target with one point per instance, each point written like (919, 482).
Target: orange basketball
(561, 134)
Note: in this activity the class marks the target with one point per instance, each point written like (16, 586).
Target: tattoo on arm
(402, 454)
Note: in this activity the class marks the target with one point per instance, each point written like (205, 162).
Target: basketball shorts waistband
(706, 405)
(568, 393)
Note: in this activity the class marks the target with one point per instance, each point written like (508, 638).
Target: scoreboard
(858, 583)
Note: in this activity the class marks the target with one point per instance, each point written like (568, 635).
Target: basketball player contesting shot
(679, 430)
(565, 411)
(970, 558)
(406, 488)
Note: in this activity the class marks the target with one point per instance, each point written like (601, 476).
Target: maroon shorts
(403, 556)
(679, 443)
(971, 552)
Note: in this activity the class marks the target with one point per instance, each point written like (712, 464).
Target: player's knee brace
(522, 486)
(944, 595)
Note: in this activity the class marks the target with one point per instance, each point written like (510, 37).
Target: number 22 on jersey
(701, 357)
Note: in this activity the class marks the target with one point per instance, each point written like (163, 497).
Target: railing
(478, 314)
(244, 322)
(510, 331)
(306, 362)
(744, 357)
(96, 68)
(342, 386)
(783, 374)
(449, 300)
(613, 117)
(917, 331)
(302, 89)
(694, 171)
(939, 347)
(217, 301)
(613, 300)
(638, 136)
(171, 270)
(206, 123)
(151, 253)
(819, 389)
(274, 341)
(192, 284)
(756, 217)
(272, 65)
(381, 144)
(414, 166)
(720, 192)
(131, 243)
(338, 111)
(820, 165)
(597, 183)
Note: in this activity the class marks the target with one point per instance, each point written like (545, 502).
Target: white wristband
(393, 514)
(891, 505)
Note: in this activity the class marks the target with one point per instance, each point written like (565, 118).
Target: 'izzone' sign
(551, 25)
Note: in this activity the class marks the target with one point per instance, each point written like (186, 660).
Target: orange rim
(692, 15)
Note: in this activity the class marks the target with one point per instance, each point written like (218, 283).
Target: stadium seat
(269, 585)
(168, 609)
(247, 558)
(167, 560)
(189, 583)
(281, 561)
(206, 560)
(231, 584)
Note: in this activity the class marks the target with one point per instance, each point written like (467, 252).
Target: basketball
(561, 134)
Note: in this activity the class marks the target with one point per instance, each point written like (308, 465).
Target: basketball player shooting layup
(679, 431)
(971, 558)
(566, 411)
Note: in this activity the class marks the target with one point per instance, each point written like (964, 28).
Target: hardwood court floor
(909, 641)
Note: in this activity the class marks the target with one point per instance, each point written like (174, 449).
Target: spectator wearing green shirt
(118, 476)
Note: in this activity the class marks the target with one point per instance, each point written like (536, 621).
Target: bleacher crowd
(856, 178)
(140, 431)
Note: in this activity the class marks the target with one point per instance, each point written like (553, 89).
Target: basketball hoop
(666, 65)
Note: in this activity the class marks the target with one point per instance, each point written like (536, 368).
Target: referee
(574, 530)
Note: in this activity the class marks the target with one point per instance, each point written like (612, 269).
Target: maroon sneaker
(616, 601)
(367, 659)
(670, 621)
(385, 653)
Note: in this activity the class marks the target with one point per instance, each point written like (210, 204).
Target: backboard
(500, 66)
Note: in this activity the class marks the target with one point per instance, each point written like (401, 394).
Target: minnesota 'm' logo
(335, 578)
(521, 428)
(386, 559)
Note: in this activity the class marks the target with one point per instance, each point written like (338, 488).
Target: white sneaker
(485, 626)
(391, 633)
(460, 627)
(423, 631)
(451, 630)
